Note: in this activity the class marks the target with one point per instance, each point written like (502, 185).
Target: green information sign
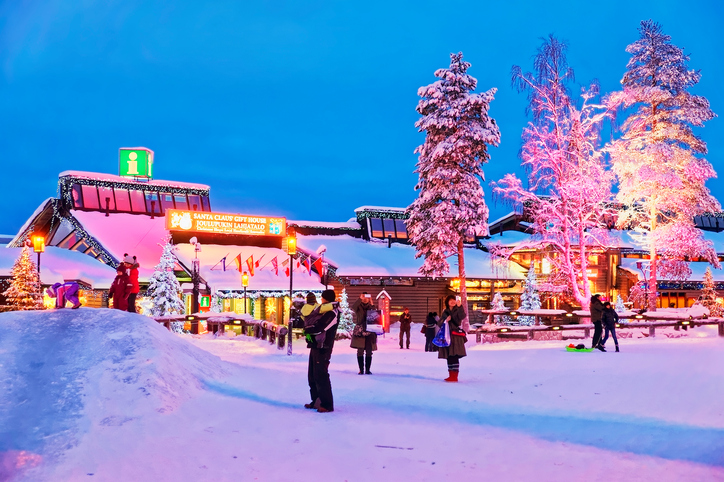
(135, 162)
(205, 301)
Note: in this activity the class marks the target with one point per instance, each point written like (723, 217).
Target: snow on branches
(708, 296)
(24, 292)
(163, 287)
(657, 158)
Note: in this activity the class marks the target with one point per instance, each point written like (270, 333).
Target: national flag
(238, 262)
(275, 265)
(319, 267)
(259, 260)
(286, 272)
(308, 266)
(223, 263)
(250, 264)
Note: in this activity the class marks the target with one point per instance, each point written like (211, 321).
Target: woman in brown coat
(453, 314)
(363, 340)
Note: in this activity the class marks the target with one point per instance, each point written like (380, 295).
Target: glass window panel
(69, 241)
(82, 246)
(205, 206)
(152, 203)
(138, 203)
(107, 199)
(166, 200)
(90, 197)
(401, 228)
(77, 199)
(376, 224)
(389, 225)
(122, 202)
(180, 201)
(195, 202)
(61, 233)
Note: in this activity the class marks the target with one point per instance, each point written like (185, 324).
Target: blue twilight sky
(302, 109)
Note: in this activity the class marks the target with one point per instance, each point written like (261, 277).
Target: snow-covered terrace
(99, 176)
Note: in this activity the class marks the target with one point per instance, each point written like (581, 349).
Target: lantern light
(39, 244)
(245, 280)
(292, 245)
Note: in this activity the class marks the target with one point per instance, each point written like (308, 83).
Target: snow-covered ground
(103, 395)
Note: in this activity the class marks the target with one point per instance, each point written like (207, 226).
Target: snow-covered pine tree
(346, 318)
(499, 304)
(620, 308)
(217, 304)
(24, 292)
(163, 288)
(529, 299)
(709, 295)
(658, 158)
(451, 202)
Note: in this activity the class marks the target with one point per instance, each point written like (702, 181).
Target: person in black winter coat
(596, 314)
(405, 323)
(363, 340)
(454, 314)
(320, 330)
(430, 328)
(610, 318)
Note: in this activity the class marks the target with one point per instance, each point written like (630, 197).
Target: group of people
(320, 328)
(125, 287)
(603, 316)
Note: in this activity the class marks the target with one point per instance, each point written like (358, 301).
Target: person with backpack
(120, 289)
(454, 315)
(320, 328)
(363, 340)
(609, 320)
(430, 330)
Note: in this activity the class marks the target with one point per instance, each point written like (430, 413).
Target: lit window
(77, 201)
(107, 200)
(401, 228)
(180, 200)
(376, 224)
(90, 197)
(122, 202)
(389, 225)
(138, 203)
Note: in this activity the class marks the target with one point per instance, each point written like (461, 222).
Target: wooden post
(652, 331)
(586, 333)
(721, 328)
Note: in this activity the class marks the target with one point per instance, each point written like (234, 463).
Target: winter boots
(600, 347)
(453, 376)
(368, 363)
(360, 363)
(616, 348)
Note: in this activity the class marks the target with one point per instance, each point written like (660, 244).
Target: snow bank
(66, 373)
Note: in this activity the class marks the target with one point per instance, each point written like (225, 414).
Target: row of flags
(251, 265)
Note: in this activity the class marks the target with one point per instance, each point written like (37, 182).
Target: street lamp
(38, 247)
(292, 250)
(195, 293)
(245, 283)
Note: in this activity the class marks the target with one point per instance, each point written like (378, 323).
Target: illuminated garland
(253, 295)
(363, 215)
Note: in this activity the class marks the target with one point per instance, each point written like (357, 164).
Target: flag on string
(223, 263)
(286, 269)
(250, 264)
(259, 260)
(237, 260)
(308, 266)
(319, 267)
(275, 265)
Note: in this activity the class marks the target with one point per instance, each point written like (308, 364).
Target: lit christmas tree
(499, 304)
(163, 288)
(24, 291)
(658, 160)
(529, 299)
(709, 295)
(451, 202)
(620, 308)
(346, 319)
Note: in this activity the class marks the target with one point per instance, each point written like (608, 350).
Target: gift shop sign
(224, 223)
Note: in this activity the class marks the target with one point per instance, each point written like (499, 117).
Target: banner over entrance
(225, 223)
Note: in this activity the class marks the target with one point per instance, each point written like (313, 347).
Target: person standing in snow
(120, 289)
(405, 322)
(454, 314)
(430, 331)
(320, 330)
(363, 340)
(609, 319)
(596, 315)
(132, 267)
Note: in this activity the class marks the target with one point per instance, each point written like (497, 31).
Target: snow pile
(67, 373)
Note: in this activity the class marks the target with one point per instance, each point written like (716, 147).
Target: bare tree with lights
(451, 201)
(658, 158)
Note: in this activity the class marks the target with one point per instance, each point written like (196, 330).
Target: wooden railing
(217, 322)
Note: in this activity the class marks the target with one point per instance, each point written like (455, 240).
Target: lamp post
(292, 250)
(38, 247)
(245, 283)
(195, 293)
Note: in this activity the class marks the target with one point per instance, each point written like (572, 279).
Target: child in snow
(131, 265)
(120, 289)
(610, 318)
(64, 292)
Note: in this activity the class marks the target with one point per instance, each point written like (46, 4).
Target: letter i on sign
(132, 164)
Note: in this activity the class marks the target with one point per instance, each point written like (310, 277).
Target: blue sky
(301, 109)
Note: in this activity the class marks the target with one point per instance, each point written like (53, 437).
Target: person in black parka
(610, 318)
(320, 329)
(596, 315)
(453, 314)
(363, 340)
(405, 323)
(430, 329)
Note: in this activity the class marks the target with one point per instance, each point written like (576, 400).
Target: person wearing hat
(405, 322)
(320, 328)
(120, 289)
(132, 267)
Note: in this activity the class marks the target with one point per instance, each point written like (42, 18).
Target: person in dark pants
(454, 315)
(120, 289)
(132, 267)
(610, 318)
(320, 335)
(430, 328)
(596, 315)
(363, 340)
(405, 322)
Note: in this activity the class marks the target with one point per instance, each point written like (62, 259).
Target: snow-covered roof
(31, 219)
(264, 278)
(379, 208)
(506, 239)
(58, 265)
(99, 176)
(357, 257)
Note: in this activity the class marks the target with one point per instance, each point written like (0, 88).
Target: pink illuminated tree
(451, 201)
(658, 158)
(568, 184)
